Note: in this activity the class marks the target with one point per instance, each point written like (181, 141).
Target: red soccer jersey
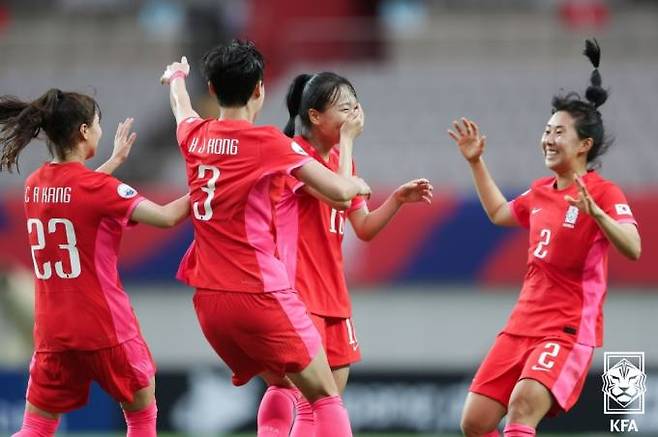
(235, 171)
(310, 234)
(565, 285)
(75, 219)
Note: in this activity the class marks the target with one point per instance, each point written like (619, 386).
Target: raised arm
(471, 144)
(175, 75)
(123, 143)
(334, 187)
(162, 216)
(367, 224)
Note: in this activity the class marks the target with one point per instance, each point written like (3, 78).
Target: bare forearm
(178, 210)
(491, 197)
(110, 166)
(181, 105)
(345, 161)
(624, 237)
(370, 225)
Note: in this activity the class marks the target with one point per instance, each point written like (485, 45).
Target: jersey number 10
(45, 271)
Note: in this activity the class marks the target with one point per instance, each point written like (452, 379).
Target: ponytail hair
(587, 118)
(59, 114)
(594, 93)
(316, 91)
(294, 101)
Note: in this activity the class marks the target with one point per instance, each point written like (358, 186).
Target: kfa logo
(624, 386)
(570, 217)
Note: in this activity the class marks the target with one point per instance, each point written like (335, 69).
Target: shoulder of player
(272, 135)
(542, 182)
(597, 185)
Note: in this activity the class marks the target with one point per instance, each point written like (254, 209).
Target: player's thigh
(272, 379)
(142, 398)
(32, 409)
(481, 414)
(341, 375)
(316, 380)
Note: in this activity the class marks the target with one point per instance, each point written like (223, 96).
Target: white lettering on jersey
(623, 209)
(215, 146)
(48, 194)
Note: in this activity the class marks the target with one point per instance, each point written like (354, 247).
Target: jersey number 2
(544, 240)
(209, 189)
(45, 271)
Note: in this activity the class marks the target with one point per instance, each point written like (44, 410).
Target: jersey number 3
(209, 189)
(45, 271)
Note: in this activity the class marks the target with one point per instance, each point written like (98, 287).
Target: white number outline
(69, 246)
(209, 189)
(341, 222)
(545, 239)
(542, 360)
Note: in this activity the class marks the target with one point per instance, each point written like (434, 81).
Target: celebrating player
(311, 228)
(246, 305)
(85, 329)
(539, 363)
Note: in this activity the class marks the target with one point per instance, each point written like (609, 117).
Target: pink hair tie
(176, 75)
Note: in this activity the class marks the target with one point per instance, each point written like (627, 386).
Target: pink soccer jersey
(565, 285)
(75, 219)
(310, 234)
(235, 172)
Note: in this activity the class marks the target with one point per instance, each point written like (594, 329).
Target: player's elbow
(365, 236)
(634, 253)
(342, 206)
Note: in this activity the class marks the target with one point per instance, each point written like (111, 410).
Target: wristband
(176, 75)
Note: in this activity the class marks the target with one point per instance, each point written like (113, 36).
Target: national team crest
(624, 383)
(570, 217)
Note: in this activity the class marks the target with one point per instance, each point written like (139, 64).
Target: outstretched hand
(418, 190)
(468, 138)
(123, 140)
(173, 68)
(584, 201)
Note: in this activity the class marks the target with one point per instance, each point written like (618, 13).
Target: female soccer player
(538, 364)
(330, 119)
(85, 329)
(245, 302)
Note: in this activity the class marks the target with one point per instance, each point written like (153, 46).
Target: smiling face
(563, 150)
(327, 124)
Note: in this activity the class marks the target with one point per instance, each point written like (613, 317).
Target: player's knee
(520, 407)
(474, 427)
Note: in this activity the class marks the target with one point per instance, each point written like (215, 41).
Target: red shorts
(255, 332)
(339, 340)
(558, 363)
(59, 381)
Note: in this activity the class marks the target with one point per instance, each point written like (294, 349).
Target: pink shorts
(558, 363)
(339, 340)
(59, 381)
(257, 332)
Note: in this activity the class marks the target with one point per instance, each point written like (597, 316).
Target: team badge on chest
(570, 217)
